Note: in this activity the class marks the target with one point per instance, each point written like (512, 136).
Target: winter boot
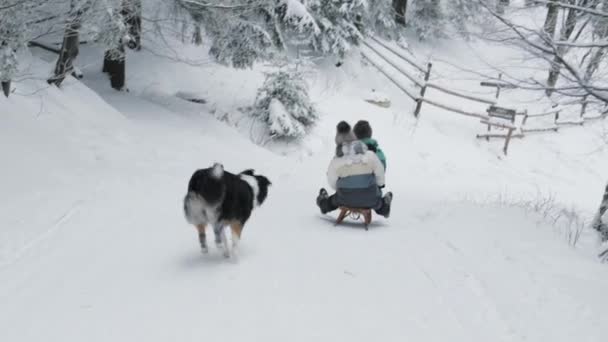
(385, 210)
(322, 201)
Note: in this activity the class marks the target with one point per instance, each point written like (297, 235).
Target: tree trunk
(551, 19)
(114, 65)
(6, 82)
(6, 87)
(565, 34)
(197, 36)
(400, 7)
(131, 11)
(601, 31)
(69, 47)
(598, 223)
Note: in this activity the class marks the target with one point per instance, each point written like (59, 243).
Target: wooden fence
(491, 118)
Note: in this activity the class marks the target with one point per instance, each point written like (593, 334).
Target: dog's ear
(217, 171)
(248, 172)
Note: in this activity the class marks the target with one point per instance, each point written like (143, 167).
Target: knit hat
(344, 133)
(362, 130)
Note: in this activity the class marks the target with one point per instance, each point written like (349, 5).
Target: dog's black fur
(227, 197)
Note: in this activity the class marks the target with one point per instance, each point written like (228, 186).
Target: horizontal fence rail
(387, 75)
(412, 62)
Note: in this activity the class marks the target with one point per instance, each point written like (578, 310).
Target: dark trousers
(330, 204)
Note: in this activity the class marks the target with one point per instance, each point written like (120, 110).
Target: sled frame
(355, 214)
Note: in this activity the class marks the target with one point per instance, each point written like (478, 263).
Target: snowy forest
(572, 42)
(488, 117)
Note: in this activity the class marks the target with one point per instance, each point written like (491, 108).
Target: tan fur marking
(201, 228)
(237, 228)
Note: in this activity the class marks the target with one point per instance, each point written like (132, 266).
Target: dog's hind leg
(202, 238)
(236, 228)
(225, 244)
(217, 231)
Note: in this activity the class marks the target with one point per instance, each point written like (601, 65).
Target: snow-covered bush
(600, 221)
(283, 104)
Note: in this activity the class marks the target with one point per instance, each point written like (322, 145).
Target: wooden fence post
(507, 141)
(498, 85)
(427, 75)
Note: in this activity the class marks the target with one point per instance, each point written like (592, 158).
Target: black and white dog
(219, 198)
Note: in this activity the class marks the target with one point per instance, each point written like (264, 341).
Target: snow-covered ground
(94, 246)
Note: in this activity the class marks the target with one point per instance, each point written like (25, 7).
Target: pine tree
(71, 41)
(284, 105)
(380, 18)
(463, 12)
(428, 19)
(341, 24)
(243, 42)
(12, 39)
(113, 35)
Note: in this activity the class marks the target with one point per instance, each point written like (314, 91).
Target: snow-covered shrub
(283, 104)
(600, 221)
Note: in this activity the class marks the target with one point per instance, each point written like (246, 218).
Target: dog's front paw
(204, 250)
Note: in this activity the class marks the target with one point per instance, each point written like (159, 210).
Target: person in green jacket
(363, 132)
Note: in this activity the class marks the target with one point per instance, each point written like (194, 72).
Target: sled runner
(355, 214)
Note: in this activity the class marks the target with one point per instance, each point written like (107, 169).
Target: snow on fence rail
(462, 95)
(387, 75)
(456, 110)
(411, 77)
(399, 54)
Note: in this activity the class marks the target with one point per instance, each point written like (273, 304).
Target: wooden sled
(355, 214)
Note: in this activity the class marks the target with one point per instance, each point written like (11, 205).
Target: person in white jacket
(357, 176)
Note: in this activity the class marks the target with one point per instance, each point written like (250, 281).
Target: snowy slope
(95, 247)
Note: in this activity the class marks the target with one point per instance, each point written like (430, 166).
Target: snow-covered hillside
(94, 246)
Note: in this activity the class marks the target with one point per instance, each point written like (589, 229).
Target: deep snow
(94, 246)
